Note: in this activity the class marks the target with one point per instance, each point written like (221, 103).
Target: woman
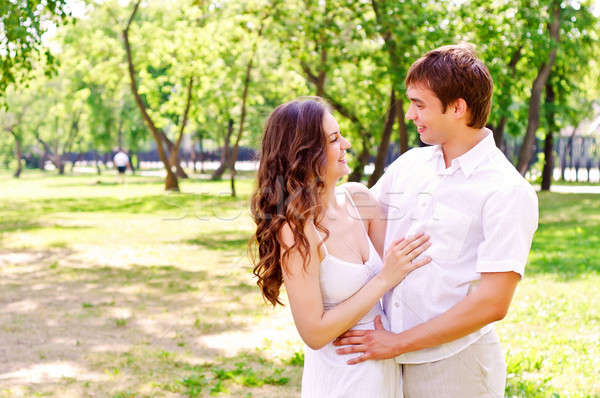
(313, 238)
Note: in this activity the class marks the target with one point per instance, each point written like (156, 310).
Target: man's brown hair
(454, 72)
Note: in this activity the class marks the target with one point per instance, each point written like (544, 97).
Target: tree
(570, 89)
(502, 32)
(253, 76)
(94, 48)
(64, 101)
(402, 26)
(21, 31)
(160, 137)
(11, 124)
(537, 89)
(334, 55)
(247, 78)
(49, 113)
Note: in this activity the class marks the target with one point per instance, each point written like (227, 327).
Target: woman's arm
(318, 327)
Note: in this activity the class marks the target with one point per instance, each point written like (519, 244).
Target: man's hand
(375, 344)
(488, 303)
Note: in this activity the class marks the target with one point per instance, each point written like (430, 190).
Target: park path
(575, 188)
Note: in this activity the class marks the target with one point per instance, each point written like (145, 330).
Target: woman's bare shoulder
(363, 198)
(287, 237)
(294, 261)
(359, 192)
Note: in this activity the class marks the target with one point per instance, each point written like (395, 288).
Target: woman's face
(336, 147)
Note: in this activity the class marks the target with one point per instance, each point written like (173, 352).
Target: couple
(394, 290)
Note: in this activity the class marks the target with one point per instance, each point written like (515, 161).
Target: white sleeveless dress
(326, 374)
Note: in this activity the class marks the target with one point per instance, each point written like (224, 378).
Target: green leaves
(351, 52)
(22, 25)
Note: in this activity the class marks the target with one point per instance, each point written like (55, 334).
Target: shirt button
(396, 304)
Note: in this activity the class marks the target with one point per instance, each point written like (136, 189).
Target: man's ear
(459, 108)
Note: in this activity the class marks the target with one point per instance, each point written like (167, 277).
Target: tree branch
(338, 106)
(135, 8)
(188, 102)
(171, 180)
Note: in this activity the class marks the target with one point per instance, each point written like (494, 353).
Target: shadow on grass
(222, 240)
(242, 375)
(105, 180)
(24, 214)
(16, 224)
(165, 305)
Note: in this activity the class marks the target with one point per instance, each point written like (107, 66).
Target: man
(121, 161)
(481, 216)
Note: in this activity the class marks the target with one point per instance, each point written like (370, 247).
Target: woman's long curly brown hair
(290, 182)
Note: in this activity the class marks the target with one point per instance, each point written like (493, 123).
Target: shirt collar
(469, 160)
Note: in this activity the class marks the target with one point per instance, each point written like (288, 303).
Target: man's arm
(489, 302)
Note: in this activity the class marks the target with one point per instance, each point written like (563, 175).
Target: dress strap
(322, 243)
(362, 224)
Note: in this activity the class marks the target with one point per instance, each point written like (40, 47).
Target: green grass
(553, 328)
(128, 291)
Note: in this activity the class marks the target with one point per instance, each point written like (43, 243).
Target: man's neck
(461, 143)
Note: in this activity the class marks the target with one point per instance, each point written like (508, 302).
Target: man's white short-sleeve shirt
(121, 159)
(480, 214)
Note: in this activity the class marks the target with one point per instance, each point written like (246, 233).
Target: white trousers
(477, 371)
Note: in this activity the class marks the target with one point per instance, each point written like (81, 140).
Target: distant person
(121, 161)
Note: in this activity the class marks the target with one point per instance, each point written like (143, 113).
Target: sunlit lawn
(125, 291)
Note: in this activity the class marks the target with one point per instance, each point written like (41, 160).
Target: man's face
(434, 125)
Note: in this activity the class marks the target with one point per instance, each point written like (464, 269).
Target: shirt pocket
(448, 230)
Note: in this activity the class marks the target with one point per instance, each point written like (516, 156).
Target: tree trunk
(174, 149)
(402, 130)
(74, 162)
(362, 160)
(58, 161)
(18, 153)
(68, 146)
(499, 130)
(171, 183)
(43, 158)
(132, 156)
(174, 160)
(536, 94)
(201, 148)
(395, 52)
(50, 155)
(225, 154)
(385, 141)
(322, 73)
(236, 146)
(193, 156)
(363, 157)
(97, 163)
(567, 152)
(499, 133)
(549, 141)
(120, 134)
